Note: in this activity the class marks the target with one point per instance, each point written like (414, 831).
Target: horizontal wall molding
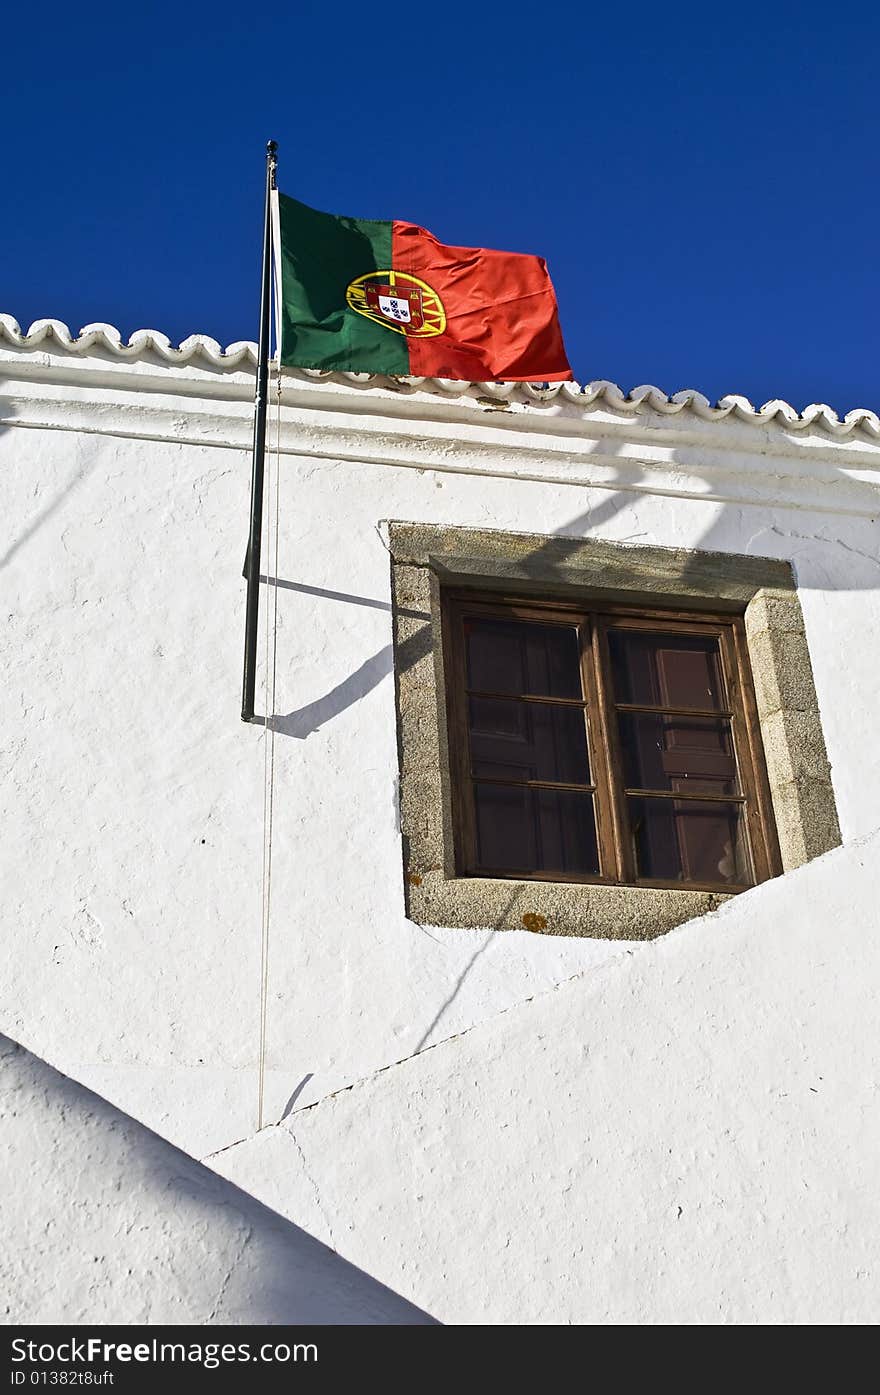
(722, 462)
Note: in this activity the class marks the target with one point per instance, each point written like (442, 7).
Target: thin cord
(271, 670)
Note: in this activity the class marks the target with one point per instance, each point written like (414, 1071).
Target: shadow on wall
(444, 1007)
(716, 537)
(721, 535)
(114, 1225)
(305, 720)
(43, 514)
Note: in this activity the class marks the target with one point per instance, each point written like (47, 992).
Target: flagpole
(261, 402)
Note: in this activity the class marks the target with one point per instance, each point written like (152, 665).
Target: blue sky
(701, 179)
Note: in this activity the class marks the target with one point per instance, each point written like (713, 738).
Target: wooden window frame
(614, 840)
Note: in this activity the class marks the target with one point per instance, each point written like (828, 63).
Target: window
(604, 745)
(672, 731)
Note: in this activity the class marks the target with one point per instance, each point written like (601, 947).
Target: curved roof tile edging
(639, 399)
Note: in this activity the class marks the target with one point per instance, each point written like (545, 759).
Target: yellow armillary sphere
(398, 301)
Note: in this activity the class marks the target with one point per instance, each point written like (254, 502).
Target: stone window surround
(428, 558)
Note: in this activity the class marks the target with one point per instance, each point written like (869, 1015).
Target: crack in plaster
(821, 538)
(598, 972)
(475, 1026)
(314, 1186)
(847, 547)
(212, 1316)
(283, 1127)
(237, 1142)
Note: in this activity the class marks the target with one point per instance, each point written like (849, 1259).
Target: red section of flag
(502, 323)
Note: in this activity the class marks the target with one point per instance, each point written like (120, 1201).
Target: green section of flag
(320, 256)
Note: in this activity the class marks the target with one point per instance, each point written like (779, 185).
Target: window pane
(665, 670)
(685, 754)
(529, 830)
(516, 656)
(528, 741)
(682, 840)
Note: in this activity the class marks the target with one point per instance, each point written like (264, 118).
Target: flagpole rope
(271, 671)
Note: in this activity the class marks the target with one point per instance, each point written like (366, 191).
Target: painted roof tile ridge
(600, 391)
(107, 337)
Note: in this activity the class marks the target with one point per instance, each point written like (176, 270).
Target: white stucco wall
(690, 1136)
(104, 1222)
(133, 799)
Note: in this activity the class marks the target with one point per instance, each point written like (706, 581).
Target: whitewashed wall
(132, 804)
(690, 1136)
(104, 1222)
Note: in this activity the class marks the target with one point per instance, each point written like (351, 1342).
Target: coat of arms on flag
(401, 306)
(398, 300)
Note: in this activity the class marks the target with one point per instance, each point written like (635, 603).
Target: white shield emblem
(395, 309)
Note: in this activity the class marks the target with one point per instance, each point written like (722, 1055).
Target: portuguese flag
(373, 297)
